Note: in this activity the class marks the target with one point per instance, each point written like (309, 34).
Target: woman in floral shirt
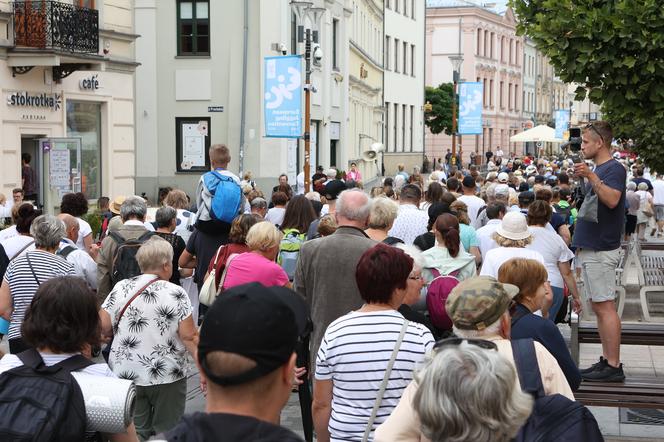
(151, 339)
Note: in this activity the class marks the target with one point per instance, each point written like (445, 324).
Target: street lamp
(457, 62)
(307, 35)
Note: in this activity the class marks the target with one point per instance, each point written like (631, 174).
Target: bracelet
(597, 184)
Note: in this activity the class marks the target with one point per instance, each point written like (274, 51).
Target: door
(60, 165)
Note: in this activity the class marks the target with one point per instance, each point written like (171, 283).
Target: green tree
(439, 118)
(614, 49)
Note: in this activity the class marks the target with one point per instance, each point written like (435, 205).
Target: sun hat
(115, 205)
(514, 226)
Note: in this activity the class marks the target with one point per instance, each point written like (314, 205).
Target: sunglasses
(590, 126)
(455, 342)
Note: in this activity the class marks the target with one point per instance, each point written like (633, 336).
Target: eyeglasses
(455, 342)
(420, 277)
(590, 126)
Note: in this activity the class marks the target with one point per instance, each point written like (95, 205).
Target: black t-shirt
(640, 180)
(178, 247)
(204, 246)
(223, 427)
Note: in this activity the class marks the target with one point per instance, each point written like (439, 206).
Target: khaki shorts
(659, 212)
(599, 273)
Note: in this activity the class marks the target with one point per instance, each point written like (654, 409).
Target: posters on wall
(193, 144)
(470, 108)
(562, 123)
(59, 174)
(282, 94)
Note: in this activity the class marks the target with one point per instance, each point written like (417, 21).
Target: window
(509, 96)
(486, 43)
(500, 91)
(85, 3)
(491, 53)
(502, 49)
(491, 93)
(193, 27)
(405, 58)
(485, 92)
(192, 142)
(412, 111)
(412, 9)
(479, 42)
(387, 126)
(395, 117)
(412, 60)
(516, 97)
(84, 121)
(403, 126)
(396, 55)
(335, 44)
(388, 48)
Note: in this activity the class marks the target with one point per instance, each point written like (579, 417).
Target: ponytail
(452, 239)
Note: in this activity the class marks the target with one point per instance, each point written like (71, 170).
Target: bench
(650, 272)
(635, 392)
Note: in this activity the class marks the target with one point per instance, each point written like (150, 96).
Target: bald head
(71, 226)
(352, 208)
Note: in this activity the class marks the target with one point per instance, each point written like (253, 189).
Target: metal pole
(307, 112)
(243, 111)
(454, 123)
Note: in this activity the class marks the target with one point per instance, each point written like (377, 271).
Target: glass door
(60, 165)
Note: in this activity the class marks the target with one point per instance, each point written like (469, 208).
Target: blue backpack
(226, 196)
(554, 418)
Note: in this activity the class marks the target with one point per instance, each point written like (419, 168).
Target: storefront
(79, 133)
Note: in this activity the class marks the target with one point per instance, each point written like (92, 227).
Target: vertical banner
(562, 123)
(283, 96)
(470, 108)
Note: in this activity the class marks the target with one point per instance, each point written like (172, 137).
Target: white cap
(502, 189)
(514, 226)
(531, 169)
(503, 177)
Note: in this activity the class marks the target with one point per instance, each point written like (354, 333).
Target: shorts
(630, 224)
(659, 212)
(598, 269)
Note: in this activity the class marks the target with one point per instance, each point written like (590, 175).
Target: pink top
(354, 176)
(252, 267)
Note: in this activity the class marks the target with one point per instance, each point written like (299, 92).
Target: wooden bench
(635, 392)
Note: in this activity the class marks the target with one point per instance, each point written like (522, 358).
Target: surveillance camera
(317, 53)
(283, 49)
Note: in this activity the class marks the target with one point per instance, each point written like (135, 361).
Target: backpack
(226, 196)
(565, 212)
(40, 403)
(289, 250)
(65, 251)
(125, 265)
(554, 418)
(437, 293)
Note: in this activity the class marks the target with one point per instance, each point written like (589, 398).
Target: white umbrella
(541, 133)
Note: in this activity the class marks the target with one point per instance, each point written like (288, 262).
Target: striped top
(354, 354)
(22, 283)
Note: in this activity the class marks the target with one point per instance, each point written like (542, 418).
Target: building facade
(492, 55)
(404, 84)
(68, 104)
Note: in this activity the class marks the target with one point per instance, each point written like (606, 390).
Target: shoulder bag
(386, 378)
(209, 288)
(207, 298)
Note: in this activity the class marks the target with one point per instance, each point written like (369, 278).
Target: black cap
(260, 323)
(526, 197)
(333, 188)
(523, 187)
(468, 182)
(540, 179)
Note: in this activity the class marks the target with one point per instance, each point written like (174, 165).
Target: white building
(192, 75)
(404, 83)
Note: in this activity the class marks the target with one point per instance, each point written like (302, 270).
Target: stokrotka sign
(26, 99)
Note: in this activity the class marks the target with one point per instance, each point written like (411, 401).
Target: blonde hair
(327, 225)
(177, 199)
(263, 236)
(219, 154)
(461, 210)
(154, 253)
(383, 213)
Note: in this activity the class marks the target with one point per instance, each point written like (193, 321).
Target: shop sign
(90, 83)
(27, 99)
(215, 108)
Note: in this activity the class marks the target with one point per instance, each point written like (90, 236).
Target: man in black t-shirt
(246, 356)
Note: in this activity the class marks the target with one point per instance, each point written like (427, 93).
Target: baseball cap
(333, 188)
(502, 189)
(503, 177)
(531, 170)
(527, 196)
(478, 302)
(468, 182)
(260, 323)
(513, 226)
(523, 187)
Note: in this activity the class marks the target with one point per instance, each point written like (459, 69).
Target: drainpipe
(243, 118)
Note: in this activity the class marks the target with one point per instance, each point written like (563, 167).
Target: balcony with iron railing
(55, 26)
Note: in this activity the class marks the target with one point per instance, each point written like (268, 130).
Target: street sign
(215, 108)
(470, 108)
(282, 95)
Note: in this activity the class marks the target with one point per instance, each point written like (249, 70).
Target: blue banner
(283, 96)
(470, 108)
(562, 123)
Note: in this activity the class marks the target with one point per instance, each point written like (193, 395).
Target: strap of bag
(31, 358)
(138, 292)
(223, 275)
(32, 270)
(525, 359)
(216, 257)
(23, 249)
(386, 378)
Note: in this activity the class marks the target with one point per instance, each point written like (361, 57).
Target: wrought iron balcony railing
(48, 24)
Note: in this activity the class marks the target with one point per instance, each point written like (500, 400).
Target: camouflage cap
(478, 302)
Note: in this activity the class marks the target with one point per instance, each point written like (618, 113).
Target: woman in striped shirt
(355, 352)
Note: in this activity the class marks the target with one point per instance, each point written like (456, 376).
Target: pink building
(493, 55)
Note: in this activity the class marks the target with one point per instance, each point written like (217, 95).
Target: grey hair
(632, 185)
(469, 393)
(353, 212)
(490, 330)
(413, 252)
(642, 186)
(133, 206)
(165, 215)
(383, 212)
(258, 203)
(154, 253)
(47, 231)
(491, 191)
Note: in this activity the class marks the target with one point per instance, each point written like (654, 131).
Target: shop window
(84, 122)
(86, 3)
(193, 21)
(192, 142)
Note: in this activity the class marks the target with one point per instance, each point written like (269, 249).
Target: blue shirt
(546, 333)
(607, 232)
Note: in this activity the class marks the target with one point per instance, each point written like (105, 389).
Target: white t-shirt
(14, 244)
(658, 189)
(275, 215)
(84, 230)
(12, 361)
(7, 233)
(497, 257)
(552, 247)
(485, 236)
(474, 204)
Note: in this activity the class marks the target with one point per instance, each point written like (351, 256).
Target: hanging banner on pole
(562, 123)
(470, 108)
(283, 96)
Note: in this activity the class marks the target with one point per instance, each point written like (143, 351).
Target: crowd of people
(404, 307)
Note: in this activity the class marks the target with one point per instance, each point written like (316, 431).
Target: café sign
(89, 83)
(27, 99)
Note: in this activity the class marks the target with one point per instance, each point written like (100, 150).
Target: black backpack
(125, 265)
(554, 418)
(40, 403)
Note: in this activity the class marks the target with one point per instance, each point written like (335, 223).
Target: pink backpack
(437, 293)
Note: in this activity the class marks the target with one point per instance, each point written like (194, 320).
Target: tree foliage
(439, 119)
(614, 49)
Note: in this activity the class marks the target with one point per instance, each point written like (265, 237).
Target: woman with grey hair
(633, 205)
(645, 202)
(381, 219)
(467, 392)
(166, 222)
(27, 272)
(150, 321)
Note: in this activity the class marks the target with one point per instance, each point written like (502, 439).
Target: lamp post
(308, 36)
(457, 61)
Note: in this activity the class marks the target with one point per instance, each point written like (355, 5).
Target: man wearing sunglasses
(598, 244)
